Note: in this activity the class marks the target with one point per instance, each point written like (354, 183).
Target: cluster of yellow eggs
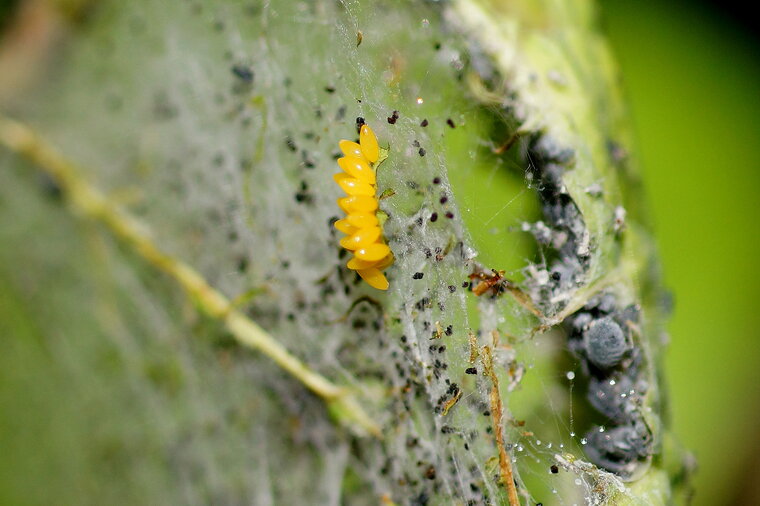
(364, 236)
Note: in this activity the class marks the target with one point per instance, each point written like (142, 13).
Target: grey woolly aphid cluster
(601, 336)
(563, 233)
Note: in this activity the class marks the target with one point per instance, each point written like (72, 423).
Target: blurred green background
(692, 77)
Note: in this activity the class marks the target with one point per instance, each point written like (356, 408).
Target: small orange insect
(364, 235)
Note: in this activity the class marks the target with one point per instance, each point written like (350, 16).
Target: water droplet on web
(570, 375)
(572, 434)
(601, 429)
(612, 382)
(419, 101)
(578, 482)
(584, 441)
(538, 442)
(425, 23)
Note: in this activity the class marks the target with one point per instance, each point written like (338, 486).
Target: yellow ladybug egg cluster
(364, 237)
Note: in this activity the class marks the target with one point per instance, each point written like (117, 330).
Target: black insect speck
(450, 122)
(471, 370)
(304, 198)
(417, 275)
(243, 73)
(422, 151)
(434, 217)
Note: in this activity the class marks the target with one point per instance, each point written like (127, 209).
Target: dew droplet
(570, 375)
(419, 101)
(584, 441)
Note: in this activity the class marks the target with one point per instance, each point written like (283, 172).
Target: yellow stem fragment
(505, 463)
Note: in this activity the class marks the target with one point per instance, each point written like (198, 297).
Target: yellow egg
(356, 264)
(358, 203)
(353, 186)
(361, 238)
(385, 262)
(368, 142)
(345, 227)
(362, 220)
(351, 149)
(374, 278)
(357, 168)
(373, 252)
